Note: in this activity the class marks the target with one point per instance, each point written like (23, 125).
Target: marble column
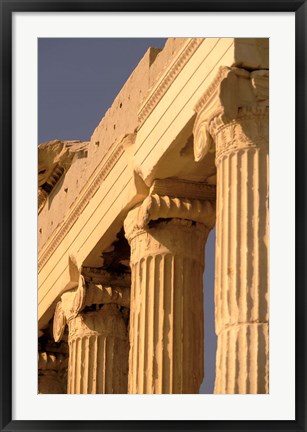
(167, 237)
(233, 121)
(98, 352)
(98, 338)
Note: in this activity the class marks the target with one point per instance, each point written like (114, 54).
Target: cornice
(103, 172)
(160, 88)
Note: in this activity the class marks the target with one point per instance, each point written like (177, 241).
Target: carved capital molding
(59, 322)
(75, 300)
(235, 96)
(107, 320)
(185, 201)
(67, 309)
(250, 130)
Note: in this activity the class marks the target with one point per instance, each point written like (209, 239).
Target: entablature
(161, 147)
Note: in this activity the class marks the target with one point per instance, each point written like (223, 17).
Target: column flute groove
(94, 370)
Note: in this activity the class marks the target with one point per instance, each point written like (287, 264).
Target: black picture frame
(7, 8)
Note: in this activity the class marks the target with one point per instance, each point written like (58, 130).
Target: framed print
(153, 215)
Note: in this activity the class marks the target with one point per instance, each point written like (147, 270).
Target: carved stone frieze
(166, 81)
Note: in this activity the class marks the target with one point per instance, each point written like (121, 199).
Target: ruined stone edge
(166, 82)
(76, 212)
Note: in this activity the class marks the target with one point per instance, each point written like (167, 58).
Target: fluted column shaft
(98, 352)
(166, 327)
(232, 120)
(167, 234)
(241, 284)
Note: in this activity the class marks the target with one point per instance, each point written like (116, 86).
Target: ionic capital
(173, 199)
(235, 96)
(74, 301)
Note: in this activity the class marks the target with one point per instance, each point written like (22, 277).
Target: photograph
(153, 215)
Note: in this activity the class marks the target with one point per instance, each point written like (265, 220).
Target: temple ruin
(123, 221)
